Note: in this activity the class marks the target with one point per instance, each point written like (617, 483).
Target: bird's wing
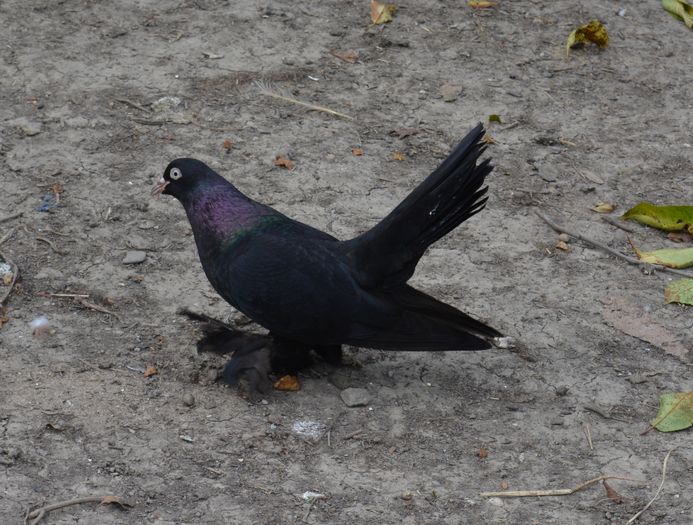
(295, 286)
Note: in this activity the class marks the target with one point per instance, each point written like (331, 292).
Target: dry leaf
(593, 31)
(680, 237)
(561, 245)
(57, 188)
(680, 9)
(504, 485)
(611, 493)
(679, 291)
(287, 383)
(283, 162)
(604, 207)
(480, 4)
(381, 13)
(150, 371)
(482, 453)
(228, 144)
(347, 56)
(488, 139)
(357, 152)
(398, 155)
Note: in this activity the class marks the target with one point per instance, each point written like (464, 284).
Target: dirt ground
(98, 97)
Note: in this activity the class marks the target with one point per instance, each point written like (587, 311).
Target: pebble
(450, 92)
(188, 400)
(564, 237)
(134, 257)
(355, 397)
(29, 128)
(49, 273)
(557, 421)
(637, 379)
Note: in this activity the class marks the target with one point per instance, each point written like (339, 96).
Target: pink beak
(159, 187)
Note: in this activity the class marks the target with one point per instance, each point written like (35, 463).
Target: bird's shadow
(256, 357)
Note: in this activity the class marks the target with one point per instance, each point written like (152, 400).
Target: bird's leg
(289, 356)
(253, 362)
(331, 354)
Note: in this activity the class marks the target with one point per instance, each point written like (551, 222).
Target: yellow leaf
(287, 383)
(480, 4)
(668, 218)
(670, 257)
(593, 31)
(398, 155)
(150, 371)
(681, 10)
(604, 207)
(562, 245)
(382, 13)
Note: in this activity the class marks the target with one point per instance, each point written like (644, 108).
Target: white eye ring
(175, 174)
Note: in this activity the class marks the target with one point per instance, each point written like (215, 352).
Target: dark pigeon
(316, 293)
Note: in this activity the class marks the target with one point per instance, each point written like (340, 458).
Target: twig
(132, 104)
(588, 434)
(37, 515)
(10, 217)
(66, 295)
(597, 244)
(600, 412)
(52, 245)
(556, 492)
(664, 476)
(9, 234)
(614, 222)
(98, 308)
(15, 273)
(265, 90)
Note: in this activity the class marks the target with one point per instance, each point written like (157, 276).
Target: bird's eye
(175, 174)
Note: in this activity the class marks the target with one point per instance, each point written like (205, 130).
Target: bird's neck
(220, 215)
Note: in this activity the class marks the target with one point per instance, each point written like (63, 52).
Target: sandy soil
(83, 87)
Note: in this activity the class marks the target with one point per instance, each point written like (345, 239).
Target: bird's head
(183, 177)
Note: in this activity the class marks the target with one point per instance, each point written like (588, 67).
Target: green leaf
(593, 31)
(675, 412)
(681, 10)
(494, 118)
(669, 218)
(670, 257)
(680, 291)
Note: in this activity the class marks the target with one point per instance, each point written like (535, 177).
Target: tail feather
(386, 255)
(414, 331)
(424, 323)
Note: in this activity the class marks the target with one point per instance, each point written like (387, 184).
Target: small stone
(450, 92)
(27, 127)
(557, 421)
(561, 391)
(406, 495)
(135, 257)
(355, 397)
(49, 273)
(564, 237)
(637, 379)
(188, 400)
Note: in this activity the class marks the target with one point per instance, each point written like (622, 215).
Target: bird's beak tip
(159, 187)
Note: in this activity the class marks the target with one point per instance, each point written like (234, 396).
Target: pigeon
(314, 292)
